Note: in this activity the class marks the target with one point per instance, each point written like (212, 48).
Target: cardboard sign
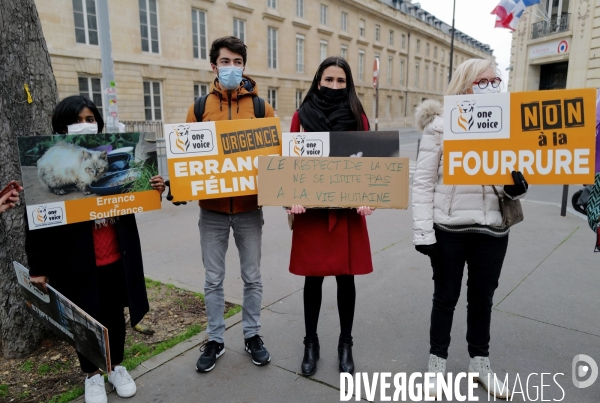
(547, 135)
(333, 182)
(75, 178)
(67, 320)
(209, 160)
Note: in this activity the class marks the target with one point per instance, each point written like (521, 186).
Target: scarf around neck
(320, 113)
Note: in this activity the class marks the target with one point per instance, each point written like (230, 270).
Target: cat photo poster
(74, 178)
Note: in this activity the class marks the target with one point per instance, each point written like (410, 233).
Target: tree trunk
(24, 59)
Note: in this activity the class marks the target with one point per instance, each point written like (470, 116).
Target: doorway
(554, 76)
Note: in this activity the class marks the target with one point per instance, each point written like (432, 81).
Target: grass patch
(147, 171)
(27, 366)
(233, 311)
(44, 369)
(3, 391)
(199, 295)
(67, 396)
(152, 283)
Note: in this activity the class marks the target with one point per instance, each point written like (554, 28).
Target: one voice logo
(44, 215)
(467, 117)
(185, 140)
(301, 147)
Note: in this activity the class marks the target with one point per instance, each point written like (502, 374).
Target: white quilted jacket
(434, 202)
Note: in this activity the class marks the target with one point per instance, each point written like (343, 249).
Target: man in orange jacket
(231, 98)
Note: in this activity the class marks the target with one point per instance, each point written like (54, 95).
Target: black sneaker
(210, 352)
(256, 347)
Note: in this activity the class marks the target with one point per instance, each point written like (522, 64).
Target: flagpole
(452, 43)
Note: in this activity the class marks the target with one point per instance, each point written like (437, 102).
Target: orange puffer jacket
(230, 105)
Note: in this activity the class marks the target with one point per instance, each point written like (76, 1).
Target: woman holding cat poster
(96, 264)
(330, 242)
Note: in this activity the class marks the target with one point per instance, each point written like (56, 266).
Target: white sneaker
(436, 365)
(496, 387)
(122, 382)
(94, 390)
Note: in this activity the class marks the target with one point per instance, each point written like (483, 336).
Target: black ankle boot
(311, 355)
(345, 355)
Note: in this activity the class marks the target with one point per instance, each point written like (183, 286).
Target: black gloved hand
(427, 250)
(520, 186)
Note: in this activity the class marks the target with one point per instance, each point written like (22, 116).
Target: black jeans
(484, 255)
(346, 299)
(111, 279)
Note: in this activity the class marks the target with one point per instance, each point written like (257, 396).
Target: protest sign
(75, 178)
(67, 320)
(333, 182)
(547, 135)
(209, 160)
(341, 144)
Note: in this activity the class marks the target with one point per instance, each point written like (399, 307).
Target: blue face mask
(230, 77)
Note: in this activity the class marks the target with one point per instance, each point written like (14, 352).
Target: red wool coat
(329, 242)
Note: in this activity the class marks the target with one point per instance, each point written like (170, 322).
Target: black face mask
(333, 94)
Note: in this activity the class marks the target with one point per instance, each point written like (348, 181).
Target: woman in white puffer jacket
(454, 225)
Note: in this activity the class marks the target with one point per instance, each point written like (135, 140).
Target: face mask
(83, 128)
(331, 93)
(230, 77)
(487, 90)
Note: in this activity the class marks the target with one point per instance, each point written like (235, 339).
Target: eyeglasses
(483, 83)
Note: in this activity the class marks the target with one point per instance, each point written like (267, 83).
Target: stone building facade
(561, 51)
(160, 51)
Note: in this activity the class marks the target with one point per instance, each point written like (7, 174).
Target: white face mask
(83, 128)
(487, 90)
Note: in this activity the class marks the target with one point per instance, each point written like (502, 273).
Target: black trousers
(484, 255)
(113, 294)
(346, 299)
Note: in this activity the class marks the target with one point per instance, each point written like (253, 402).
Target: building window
(417, 68)
(388, 107)
(323, 14)
(391, 37)
(272, 48)
(298, 98)
(152, 100)
(200, 90)
(272, 4)
(418, 46)
(344, 21)
(272, 97)
(426, 77)
(300, 8)
(377, 33)
(361, 28)
(323, 49)
(199, 33)
(299, 53)
(427, 49)
(434, 78)
(239, 29)
(361, 65)
(403, 41)
(441, 85)
(401, 72)
(435, 52)
(86, 26)
(91, 87)
(149, 25)
(442, 55)
(390, 70)
(344, 51)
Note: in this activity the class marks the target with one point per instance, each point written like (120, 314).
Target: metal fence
(555, 25)
(154, 126)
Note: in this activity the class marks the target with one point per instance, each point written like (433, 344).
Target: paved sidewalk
(545, 313)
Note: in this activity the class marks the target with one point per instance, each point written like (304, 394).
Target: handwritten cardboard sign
(75, 178)
(547, 135)
(333, 182)
(208, 160)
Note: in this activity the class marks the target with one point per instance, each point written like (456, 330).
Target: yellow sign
(550, 136)
(209, 160)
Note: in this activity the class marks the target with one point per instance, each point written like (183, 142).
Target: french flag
(508, 12)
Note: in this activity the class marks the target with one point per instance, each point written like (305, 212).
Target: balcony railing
(555, 25)
(155, 126)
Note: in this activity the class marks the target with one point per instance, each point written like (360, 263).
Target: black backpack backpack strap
(199, 106)
(259, 107)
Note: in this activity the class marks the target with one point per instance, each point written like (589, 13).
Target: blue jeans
(214, 240)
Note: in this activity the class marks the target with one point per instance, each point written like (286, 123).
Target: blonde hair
(466, 73)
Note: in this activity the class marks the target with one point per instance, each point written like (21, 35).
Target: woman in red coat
(330, 242)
